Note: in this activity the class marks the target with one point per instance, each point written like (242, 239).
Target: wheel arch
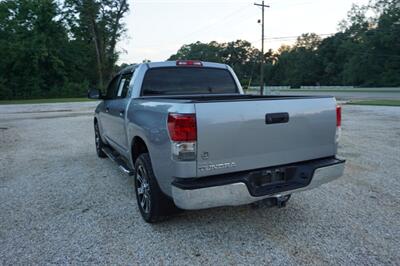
(96, 121)
(138, 147)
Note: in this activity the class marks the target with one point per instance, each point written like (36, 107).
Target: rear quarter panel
(147, 119)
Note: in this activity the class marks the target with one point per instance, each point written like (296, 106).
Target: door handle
(107, 109)
(276, 118)
(121, 112)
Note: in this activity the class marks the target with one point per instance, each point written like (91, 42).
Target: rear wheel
(153, 205)
(99, 142)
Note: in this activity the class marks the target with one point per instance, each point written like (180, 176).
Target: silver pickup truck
(193, 139)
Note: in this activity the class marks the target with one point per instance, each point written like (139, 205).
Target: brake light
(338, 123)
(338, 116)
(189, 63)
(182, 127)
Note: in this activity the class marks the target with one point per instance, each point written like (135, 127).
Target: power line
(288, 38)
(295, 37)
(235, 12)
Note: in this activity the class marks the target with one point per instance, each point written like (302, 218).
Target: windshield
(187, 80)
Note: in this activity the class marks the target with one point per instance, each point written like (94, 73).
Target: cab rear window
(187, 80)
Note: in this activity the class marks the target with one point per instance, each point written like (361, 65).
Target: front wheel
(153, 205)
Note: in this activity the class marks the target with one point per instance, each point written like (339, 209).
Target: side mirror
(94, 94)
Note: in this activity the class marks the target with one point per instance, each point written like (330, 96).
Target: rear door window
(188, 80)
(112, 88)
(120, 87)
(124, 85)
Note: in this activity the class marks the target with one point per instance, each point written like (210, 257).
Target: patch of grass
(338, 90)
(332, 89)
(376, 102)
(54, 100)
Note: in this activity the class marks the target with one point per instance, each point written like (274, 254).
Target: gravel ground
(60, 204)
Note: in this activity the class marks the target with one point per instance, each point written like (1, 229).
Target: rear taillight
(338, 123)
(338, 116)
(183, 132)
(182, 127)
(189, 63)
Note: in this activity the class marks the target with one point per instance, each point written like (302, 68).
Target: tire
(153, 204)
(99, 142)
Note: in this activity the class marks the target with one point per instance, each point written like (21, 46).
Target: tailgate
(234, 136)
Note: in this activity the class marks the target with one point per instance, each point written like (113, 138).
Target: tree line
(52, 48)
(365, 52)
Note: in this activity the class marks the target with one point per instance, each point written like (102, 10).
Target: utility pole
(262, 47)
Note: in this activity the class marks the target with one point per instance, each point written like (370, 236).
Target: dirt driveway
(60, 204)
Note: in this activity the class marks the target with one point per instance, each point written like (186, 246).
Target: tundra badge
(209, 167)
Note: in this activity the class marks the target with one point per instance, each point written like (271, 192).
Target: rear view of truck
(246, 147)
(251, 147)
(194, 140)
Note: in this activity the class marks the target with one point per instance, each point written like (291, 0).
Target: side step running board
(116, 158)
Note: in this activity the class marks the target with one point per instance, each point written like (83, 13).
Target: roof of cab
(173, 64)
(131, 68)
(128, 69)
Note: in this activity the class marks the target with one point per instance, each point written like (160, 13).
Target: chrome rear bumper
(238, 193)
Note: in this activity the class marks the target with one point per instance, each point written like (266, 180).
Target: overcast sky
(156, 29)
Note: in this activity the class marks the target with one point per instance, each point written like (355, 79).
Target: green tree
(365, 52)
(31, 48)
(52, 49)
(96, 25)
(199, 51)
(239, 54)
(300, 64)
